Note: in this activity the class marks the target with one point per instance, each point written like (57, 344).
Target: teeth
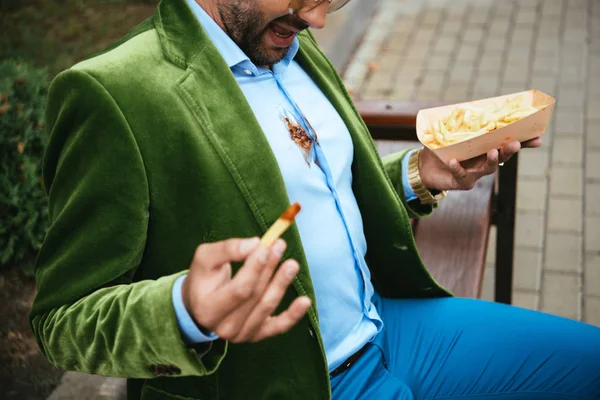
(282, 35)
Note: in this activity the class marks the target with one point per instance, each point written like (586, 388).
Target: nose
(317, 17)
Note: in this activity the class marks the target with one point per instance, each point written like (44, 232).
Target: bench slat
(453, 240)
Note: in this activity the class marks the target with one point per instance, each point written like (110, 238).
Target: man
(174, 150)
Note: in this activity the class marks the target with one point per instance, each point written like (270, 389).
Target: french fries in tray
(466, 130)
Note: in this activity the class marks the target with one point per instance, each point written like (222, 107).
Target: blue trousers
(455, 348)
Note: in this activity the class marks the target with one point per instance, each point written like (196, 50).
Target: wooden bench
(453, 241)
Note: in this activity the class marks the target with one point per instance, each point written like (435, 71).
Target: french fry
(281, 225)
(466, 122)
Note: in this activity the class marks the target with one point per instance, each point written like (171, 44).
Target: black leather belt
(349, 362)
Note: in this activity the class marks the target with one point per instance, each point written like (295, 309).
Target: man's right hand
(240, 309)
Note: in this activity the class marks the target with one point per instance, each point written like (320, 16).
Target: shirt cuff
(409, 193)
(188, 328)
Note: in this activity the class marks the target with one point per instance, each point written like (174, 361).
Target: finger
(270, 299)
(458, 172)
(509, 150)
(275, 254)
(236, 316)
(284, 321)
(214, 255)
(238, 290)
(536, 142)
(491, 163)
(258, 269)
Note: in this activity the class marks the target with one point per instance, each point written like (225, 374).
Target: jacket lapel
(212, 94)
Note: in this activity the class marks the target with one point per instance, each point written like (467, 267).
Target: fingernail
(453, 163)
(278, 248)
(248, 244)
(291, 271)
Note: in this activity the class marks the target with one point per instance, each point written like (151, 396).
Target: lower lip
(279, 41)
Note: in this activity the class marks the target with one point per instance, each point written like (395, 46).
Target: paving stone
(592, 234)
(572, 99)
(592, 310)
(526, 299)
(482, 93)
(591, 274)
(531, 195)
(479, 16)
(490, 257)
(467, 53)
(499, 27)
(403, 90)
(569, 121)
(561, 295)
(380, 81)
(533, 163)
(522, 35)
(566, 181)
(456, 92)
(376, 95)
(489, 279)
(495, 43)
(592, 164)
(544, 66)
(545, 84)
(451, 26)
(473, 37)
(529, 230)
(563, 252)
(516, 75)
(513, 87)
(564, 215)
(593, 106)
(438, 63)
(567, 150)
(527, 269)
(432, 18)
(592, 199)
(574, 36)
(423, 37)
(574, 74)
(491, 63)
(526, 18)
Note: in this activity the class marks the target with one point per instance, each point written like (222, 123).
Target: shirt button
(403, 248)
(311, 332)
(247, 72)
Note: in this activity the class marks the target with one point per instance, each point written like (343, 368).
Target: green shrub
(23, 203)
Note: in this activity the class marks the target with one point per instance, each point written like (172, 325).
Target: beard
(247, 27)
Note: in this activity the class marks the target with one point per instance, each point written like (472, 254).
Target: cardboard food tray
(527, 128)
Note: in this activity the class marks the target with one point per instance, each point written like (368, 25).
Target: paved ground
(468, 49)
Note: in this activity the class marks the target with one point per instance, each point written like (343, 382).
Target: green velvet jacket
(153, 150)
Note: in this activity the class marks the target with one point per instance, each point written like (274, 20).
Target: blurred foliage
(55, 34)
(48, 36)
(23, 204)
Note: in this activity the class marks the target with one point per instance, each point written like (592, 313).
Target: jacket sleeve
(395, 169)
(89, 315)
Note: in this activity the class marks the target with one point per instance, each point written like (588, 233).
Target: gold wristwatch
(425, 195)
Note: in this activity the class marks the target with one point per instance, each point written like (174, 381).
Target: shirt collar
(230, 51)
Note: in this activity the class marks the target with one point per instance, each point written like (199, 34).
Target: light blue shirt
(330, 223)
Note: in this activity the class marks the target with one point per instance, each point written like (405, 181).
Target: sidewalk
(468, 49)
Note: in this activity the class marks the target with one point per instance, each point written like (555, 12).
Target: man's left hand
(463, 176)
